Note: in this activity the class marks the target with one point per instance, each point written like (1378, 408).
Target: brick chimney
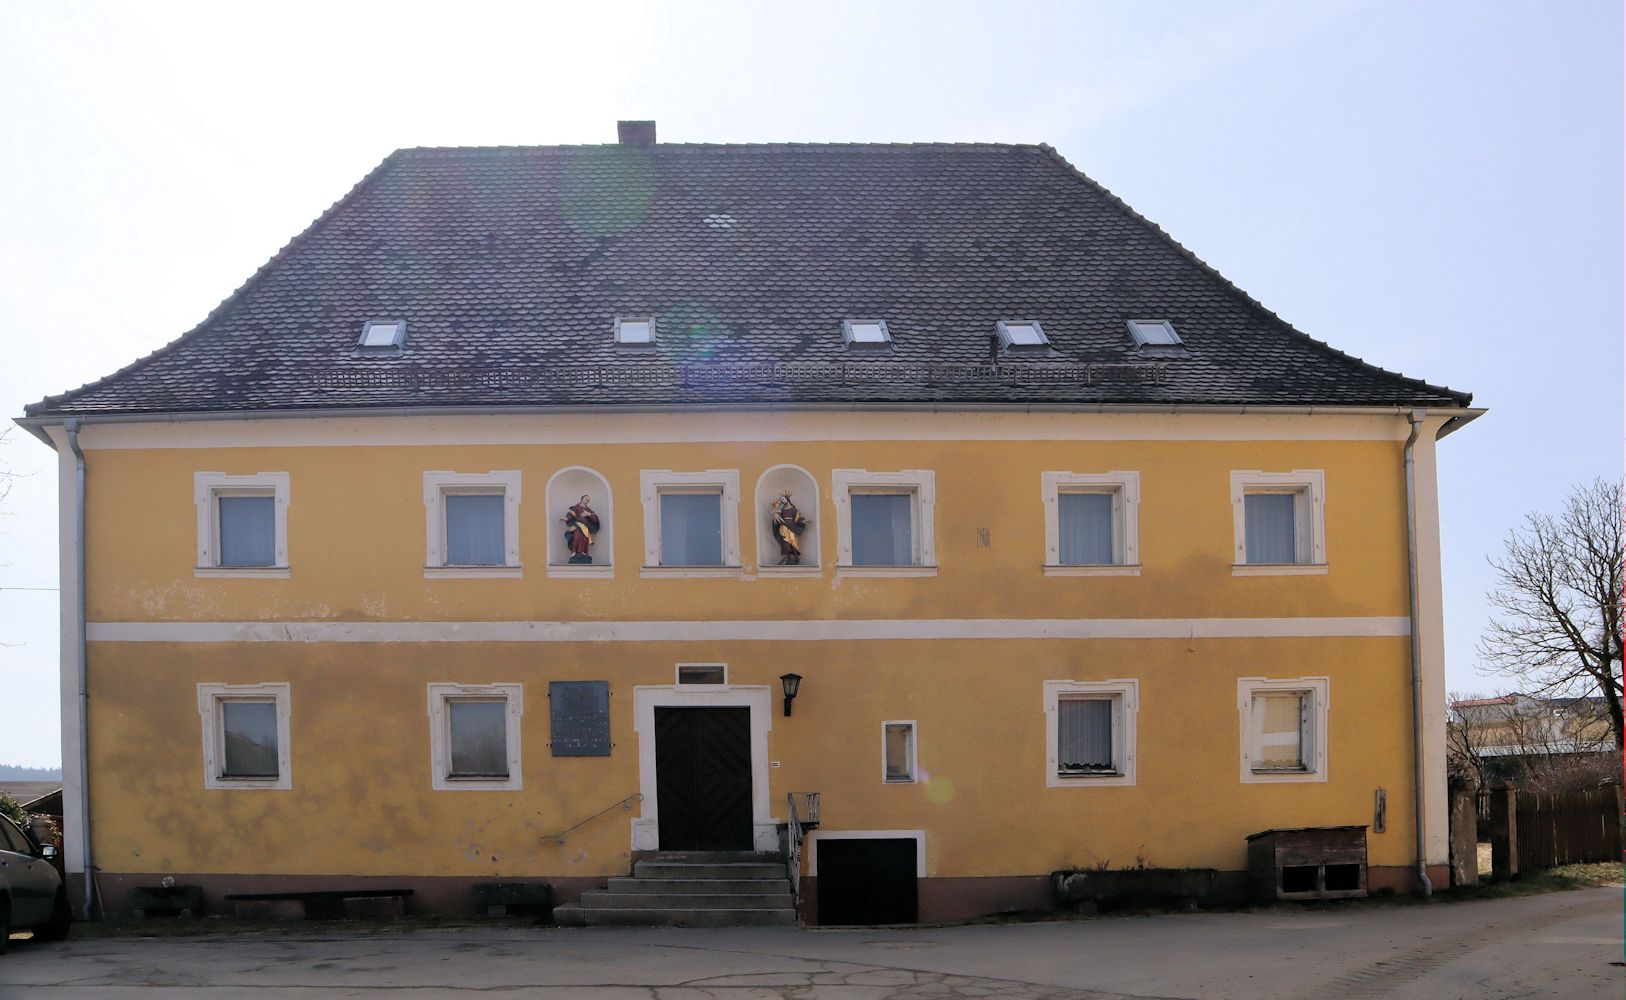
(635, 133)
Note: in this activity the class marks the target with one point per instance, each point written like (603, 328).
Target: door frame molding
(756, 697)
(814, 836)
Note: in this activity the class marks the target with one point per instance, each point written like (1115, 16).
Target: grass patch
(1583, 876)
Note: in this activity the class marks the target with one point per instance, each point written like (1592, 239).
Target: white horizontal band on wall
(753, 631)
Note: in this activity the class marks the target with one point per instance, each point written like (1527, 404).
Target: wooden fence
(1568, 827)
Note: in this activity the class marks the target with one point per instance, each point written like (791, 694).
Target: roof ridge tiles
(752, 147)
(1234, 288)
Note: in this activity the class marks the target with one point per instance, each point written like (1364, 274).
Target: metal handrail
(794, 834)
(626, 803)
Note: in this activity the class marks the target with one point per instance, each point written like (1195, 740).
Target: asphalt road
(1557, 945)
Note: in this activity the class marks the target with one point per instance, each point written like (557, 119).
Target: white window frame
(848, 338)
(207, 489)
(1320, 691)
(1124, 693)
(210, 698)
(921, 484)
(914, 752)
(1125, 490)
(1309, 486)
(653, 482)
(440, 735)
(1008, 344)
(653, 334)
(437, 486)
(1140, 341)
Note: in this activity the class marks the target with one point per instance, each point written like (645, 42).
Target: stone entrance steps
(691, 889)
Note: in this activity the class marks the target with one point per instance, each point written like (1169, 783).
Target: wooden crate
(1326, 862)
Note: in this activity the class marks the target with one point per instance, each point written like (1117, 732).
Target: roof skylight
(635, 331)
(1153, 333)
(865, 331)
(1022, 333)
(380, 334)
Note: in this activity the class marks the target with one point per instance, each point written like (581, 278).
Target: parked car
(32, 896)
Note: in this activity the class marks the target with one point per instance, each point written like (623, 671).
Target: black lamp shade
(792, 683)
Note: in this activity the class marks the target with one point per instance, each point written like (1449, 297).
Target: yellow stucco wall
(356, 535)
(361, 801)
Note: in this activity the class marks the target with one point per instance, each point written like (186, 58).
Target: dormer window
(1021, 333)
(865, 332)
(638, 330)
(1153, 333)
(382, 335)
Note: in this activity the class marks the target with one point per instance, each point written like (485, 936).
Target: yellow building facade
(331, 634)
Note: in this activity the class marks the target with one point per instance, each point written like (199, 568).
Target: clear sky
(1434, 187)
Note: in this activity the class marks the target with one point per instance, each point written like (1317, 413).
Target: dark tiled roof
(510, 264)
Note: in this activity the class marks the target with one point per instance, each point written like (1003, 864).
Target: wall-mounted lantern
(791, 683)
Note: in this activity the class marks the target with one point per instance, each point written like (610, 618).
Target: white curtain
(250, 728)
(898, 738)
(479, 738)
(1084, 734)
(1278, 722)
(1086, 528)
(691, 529)
(248, 531)
(882, 532)
(474, 530)
(1270, 527)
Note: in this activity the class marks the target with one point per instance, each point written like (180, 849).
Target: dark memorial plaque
(580, 713)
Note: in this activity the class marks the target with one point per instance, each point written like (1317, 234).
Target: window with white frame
(1280, 521)
(472, 523)
(1092, 523)
(691, 521)
(885, 521)
(474, 736)
(1284, 728)
(635, 330)
(865, 333)
(898, 765)
(1090, 730)
(242, 524)
(245, 735)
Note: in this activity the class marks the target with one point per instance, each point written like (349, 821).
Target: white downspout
(1416, 652)
(72, 427)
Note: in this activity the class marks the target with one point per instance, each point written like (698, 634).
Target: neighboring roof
(509, 266)
(27, 791)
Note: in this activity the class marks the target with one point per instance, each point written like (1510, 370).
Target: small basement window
(1021, 333)
(865, 331)
(635, 331)
(383, 335)
(1153, 333)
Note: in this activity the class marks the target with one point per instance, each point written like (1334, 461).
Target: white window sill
(900, 781)
(1275, 776)
(449, 784)
(1278, 569)
(1089, 779)
(1097, 569)
(240, 572)
(884, 571)
(799, 570)
(600, 571)
(473, 572)
(692, 572)
(274, 784)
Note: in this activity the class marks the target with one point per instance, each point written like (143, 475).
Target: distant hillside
(12, 772)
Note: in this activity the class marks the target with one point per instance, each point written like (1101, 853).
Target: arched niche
(565, 488)
(804, 492)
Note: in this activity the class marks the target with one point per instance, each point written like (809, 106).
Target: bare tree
(1465, 743)
(1559, 594)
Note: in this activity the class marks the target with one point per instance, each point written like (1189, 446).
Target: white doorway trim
(758, 698)
(918, 836)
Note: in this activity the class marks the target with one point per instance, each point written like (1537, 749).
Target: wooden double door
(703, 778)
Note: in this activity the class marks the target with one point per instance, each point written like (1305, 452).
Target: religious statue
(581, 524)
(788, 525)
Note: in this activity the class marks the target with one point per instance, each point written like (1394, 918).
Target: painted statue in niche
(581, 527)
(788, 525)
